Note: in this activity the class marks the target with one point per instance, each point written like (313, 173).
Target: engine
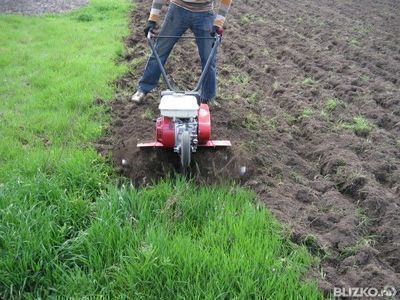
(169, 130)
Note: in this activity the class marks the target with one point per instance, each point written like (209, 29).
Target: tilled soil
(38, 7)
(338, 189)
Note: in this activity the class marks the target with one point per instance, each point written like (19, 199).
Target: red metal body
(204, 124)
(165, 132)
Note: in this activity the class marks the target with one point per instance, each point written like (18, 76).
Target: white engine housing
(176, 105)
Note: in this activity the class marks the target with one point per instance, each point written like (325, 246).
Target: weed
(251, 121)
(137, 61)
(290, 119)
(350, 182)
(363, 29)
(266, 52)
(359, 125)
(249, 18)
(148, 115)
(256, 122)
(332, 104)
(253, 98)
(241, 79)
(363, 221)
(365, 78)
(353, 249)
(236, 97)
(308, 81)
(323, 114)
(354, 42)
(271, 123)
(276, 86)
(320, 23)
(306, 113)
(310, 241)
(296, 177)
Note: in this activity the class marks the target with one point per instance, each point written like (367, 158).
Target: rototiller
(185, 123)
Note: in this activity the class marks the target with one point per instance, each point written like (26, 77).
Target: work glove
(149, 27)
(217, 30)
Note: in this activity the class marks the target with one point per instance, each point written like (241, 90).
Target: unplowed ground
(280, 63)
(38, 7)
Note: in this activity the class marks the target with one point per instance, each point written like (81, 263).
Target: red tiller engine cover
(165, 128)
(165, 132)
(204, 124)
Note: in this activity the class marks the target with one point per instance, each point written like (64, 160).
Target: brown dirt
(338, 190)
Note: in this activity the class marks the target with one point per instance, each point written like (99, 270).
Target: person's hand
(149, 27)
(217, 30)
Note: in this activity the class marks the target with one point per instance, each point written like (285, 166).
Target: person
(199, 17)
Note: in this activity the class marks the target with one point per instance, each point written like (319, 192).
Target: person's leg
(175, 24)
(201, 28)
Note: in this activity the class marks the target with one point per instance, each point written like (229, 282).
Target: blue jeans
(176, 22)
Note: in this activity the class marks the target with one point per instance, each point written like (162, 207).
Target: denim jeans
(176, 22)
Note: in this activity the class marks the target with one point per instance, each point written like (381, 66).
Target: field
(71, 227)
(309, 94)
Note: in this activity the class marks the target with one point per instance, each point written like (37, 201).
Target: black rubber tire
(186, 150)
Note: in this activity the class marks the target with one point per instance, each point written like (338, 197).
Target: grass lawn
(66, 229)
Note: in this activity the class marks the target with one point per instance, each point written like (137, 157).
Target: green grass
(52, 69)
(169, 241)
(67, 230)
